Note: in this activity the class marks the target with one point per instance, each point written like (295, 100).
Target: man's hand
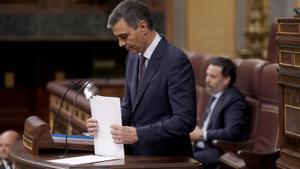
(196, 134)
(92, 126)
(124, 134)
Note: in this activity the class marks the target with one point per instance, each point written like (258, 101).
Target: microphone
(62, 101)
(71, 116)
(91, 90)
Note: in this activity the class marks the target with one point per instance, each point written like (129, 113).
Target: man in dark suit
(159, 107)
(226, 116)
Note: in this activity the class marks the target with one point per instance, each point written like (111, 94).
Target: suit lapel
(217, 109)
(150, 71)
(152, 68)
(135, 78)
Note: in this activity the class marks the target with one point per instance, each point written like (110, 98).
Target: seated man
(226, 116)
(7, 139)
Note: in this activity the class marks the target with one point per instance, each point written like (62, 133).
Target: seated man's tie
(207, 115)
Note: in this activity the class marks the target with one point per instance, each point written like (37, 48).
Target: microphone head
(90, 90)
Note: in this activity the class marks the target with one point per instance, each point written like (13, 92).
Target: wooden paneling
(206, 32)
(289, 79)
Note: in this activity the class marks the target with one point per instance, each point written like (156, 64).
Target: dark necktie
(200, 143)
(142, 67)
(208, 109)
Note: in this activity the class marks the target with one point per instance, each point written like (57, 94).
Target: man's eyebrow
(122, 35)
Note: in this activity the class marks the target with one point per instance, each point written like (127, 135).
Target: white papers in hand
(82, 159)
(107, 111)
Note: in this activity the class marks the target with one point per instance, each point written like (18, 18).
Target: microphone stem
(62, 101)
(71, 116)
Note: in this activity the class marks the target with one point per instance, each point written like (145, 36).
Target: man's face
(214, 80)
(132, 39)
(5, 145)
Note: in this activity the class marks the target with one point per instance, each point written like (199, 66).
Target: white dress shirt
(149, 51)
(217, 96)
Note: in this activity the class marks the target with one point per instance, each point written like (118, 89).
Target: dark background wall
(45, 40)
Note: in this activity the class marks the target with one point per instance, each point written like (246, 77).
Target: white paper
(107, 111)
(82, 159)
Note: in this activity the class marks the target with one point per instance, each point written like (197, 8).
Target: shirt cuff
(204, 135)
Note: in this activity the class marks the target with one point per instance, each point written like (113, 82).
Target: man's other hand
(124, 134)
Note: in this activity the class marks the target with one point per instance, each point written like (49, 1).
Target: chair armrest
(231, 146)
(231, 160)
(259, 160)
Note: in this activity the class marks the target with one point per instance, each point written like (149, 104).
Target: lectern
(37, 137)
(23, 159)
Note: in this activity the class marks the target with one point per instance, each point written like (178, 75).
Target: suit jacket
(9, 164)
(230, 117)
(163, 106)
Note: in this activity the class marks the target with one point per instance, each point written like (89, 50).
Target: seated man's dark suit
(229, 121)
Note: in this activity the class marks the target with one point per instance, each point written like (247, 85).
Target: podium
(23, 159)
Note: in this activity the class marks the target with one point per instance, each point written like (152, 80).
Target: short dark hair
(132, 11)
(228, 68)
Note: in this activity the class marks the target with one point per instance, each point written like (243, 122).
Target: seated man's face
(7, 139)
(215, 81)
(5, 145)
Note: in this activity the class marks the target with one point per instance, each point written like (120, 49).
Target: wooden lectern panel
(288, 38)
(37, 138)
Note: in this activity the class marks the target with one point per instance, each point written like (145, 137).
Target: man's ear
(226, 80)
(143, 26)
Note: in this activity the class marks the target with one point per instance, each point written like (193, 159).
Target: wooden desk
(23, 160)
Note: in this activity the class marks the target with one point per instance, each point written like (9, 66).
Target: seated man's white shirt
(217, 96)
